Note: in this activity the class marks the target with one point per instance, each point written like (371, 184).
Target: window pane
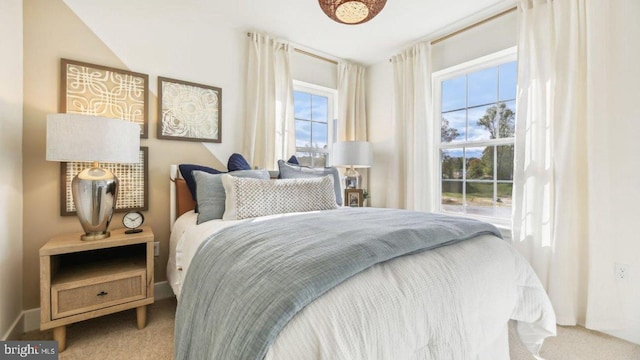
(503, 200)
(507, 114)
(303, 133)
(302, 105)
(480, 163)
(483, 87)
(454, 94)
(452, 196)
(483, 123)
(505, 162)
(452, 161)
(319, 108)
(304, 158)
(319, 134)
(508, 80)
(319, 159)
(479, 198)
(453, 126)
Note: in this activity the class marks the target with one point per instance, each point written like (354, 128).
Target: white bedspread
(452, 302)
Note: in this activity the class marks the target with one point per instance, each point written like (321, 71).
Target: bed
(452, 301)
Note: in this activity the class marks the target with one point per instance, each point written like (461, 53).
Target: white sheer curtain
(352, 114)
(575, 87)
(411, 175)
(269, 123)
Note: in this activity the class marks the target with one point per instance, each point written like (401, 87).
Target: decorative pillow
(237, 162)
(248, 198)
(187, 173)
(211, 195)
(293, 160)
(289, 171)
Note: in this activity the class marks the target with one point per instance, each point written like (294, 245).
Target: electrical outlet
(156, 248)
(621, 271)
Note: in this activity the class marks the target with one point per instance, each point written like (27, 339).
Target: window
(314, 114)
(476, 107)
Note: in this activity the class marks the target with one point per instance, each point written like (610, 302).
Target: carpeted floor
(116, 337)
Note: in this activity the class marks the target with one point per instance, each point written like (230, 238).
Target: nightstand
(81, 280)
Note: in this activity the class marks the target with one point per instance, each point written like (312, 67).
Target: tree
(475, 169)
(450, 165)
(498, 119)
(447, 133)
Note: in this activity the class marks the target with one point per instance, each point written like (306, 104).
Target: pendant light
(352, 12)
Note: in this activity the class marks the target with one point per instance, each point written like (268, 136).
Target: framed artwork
(133, 187)
(353, 197)
(189, 111)
(104, 91)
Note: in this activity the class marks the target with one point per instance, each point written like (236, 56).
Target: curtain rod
(469, 27)
(466, 28)
(310, 54)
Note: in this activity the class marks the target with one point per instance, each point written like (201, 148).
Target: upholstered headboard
(181, 200)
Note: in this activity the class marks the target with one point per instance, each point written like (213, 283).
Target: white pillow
(248, 198)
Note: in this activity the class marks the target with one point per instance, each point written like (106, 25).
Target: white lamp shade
(358, 154)
(77, 137)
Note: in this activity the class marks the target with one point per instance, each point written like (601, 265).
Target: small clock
(132, 221)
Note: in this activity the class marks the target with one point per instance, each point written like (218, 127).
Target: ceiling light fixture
(352, 12)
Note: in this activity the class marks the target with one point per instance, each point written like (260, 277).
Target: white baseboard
(13, 332)
(29, 320)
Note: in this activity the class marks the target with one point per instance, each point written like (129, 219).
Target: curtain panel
(269, 131)
(413, 169)
(352, 113)
(573, 192)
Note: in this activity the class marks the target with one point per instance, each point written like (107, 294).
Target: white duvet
(453, 302)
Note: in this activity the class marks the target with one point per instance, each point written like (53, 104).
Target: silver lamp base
(94, 194)
(352, 179)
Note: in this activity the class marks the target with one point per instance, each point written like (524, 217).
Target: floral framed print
(353, 197)
(133, 187)
(189, 111)
(98, 90)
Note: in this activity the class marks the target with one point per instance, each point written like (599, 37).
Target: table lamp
(77, 137)
(352, 154)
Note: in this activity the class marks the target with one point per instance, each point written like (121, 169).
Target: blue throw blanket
(247, 281)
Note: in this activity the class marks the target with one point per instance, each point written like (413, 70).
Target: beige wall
(52, 31)
(314, 71)
(200, 51)
(11, 164)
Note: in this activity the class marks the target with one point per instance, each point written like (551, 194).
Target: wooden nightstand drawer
(90, 294)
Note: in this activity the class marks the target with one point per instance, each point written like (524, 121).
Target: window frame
(481, 63)
(332, 105)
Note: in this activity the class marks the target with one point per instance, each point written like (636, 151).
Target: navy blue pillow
(293, 160)
(186, 169)
(237, 162)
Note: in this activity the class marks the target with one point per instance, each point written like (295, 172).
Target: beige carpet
(116, 337)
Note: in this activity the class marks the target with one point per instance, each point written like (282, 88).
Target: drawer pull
(102, 293)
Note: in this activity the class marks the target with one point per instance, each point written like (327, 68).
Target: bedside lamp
(352, 154)
(76, 137)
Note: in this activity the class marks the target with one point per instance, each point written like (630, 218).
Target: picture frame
(133, 188)
(99, 90)
(189, 111)
(353, 197)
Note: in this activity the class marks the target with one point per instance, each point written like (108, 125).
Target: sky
(310, 107)
(485, 88)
